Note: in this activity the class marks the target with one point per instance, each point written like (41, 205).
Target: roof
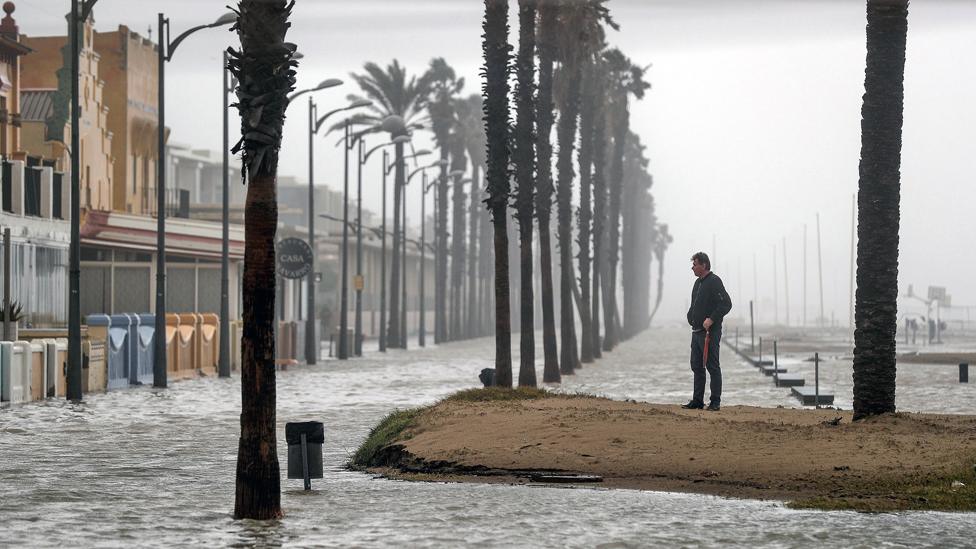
(36, 105)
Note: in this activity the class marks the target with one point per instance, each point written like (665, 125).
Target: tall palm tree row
(459, 164)
(265, 69)
(445, 85)
(639, 225)
(599, 200)
(495, 89)
(470, 124)
(394, 93)
(548, 30)
(879, 187)
(625, 79)
(524, 157)
(585, 211)
(581, 25)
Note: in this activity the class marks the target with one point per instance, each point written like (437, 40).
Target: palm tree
(582, 34)
(548, 31)
(662, 239)
(265, 68)
(879, 186)
(445, 85)
(472, 130)
(497, 53)
(585, 212)
(524, 157)
(639, 223)
(599, 202)
(393, 93)
(625, 79)
(458, 167)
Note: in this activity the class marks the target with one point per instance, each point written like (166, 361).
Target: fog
(752, 123)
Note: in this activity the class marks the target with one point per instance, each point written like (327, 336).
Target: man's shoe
(693, 405)
(713, 407)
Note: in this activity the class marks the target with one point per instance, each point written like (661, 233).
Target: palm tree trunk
(621, 130)
(544, 187)
(264, 71)
(458, 163)
(599, 214)
(485, 270)
(566, 131)
(524, 174)
(497, 53)
(440, 280)
(471, 322)
(585, 211)
(878, 203)
(393, 338)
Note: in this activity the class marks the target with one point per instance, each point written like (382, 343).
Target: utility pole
(820, 269)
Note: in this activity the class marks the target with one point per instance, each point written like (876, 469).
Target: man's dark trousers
(714, 371)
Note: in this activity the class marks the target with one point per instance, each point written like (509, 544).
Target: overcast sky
(752, 124)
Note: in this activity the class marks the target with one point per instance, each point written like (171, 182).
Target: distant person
(709, 304)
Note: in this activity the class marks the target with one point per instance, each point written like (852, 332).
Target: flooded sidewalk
(150, 468)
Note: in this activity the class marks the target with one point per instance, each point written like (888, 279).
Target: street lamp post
(421, 330)
(165, 53)
(80, 10)
(311, 334)
(397, 140)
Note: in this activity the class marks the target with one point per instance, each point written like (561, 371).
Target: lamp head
(422, 152)
(394, 124)
(226, 19)
(359, 103)
(457, 173)
(328, 83)
(400, 139)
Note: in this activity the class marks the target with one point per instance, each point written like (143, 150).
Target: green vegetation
(371, 452)
(932, 493)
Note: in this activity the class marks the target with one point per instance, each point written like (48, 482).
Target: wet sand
(887, 462)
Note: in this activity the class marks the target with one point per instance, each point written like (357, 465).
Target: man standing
(709, 304)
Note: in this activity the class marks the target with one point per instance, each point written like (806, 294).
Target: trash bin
(187, 345)
(207, 342)
(118, 352)
(305, 441)
(172, 346)
(145, 341)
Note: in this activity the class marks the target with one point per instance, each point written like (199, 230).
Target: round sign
(294, 258)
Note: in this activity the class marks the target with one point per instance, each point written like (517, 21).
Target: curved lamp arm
(327, 83)
(225, 19)
(353, 105)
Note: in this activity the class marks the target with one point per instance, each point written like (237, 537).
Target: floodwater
(151, 468)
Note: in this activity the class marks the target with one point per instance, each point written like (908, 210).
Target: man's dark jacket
(708, 300)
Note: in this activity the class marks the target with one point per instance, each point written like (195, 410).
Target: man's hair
(702, 259)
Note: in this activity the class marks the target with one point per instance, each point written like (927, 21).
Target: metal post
(760, 351)
(7, 248)
(74, 251)
(382, 333)
(344, 297)
(820, 271)
(816, 379)
(308, 480)
(311, 334)
(736, 338)
(752, 330)
(223, 366)
(421, 329)
(775, 363)
(358, 342)
(403, 270)
(159, 361)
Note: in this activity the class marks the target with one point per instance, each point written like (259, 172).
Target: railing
(177, 202)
